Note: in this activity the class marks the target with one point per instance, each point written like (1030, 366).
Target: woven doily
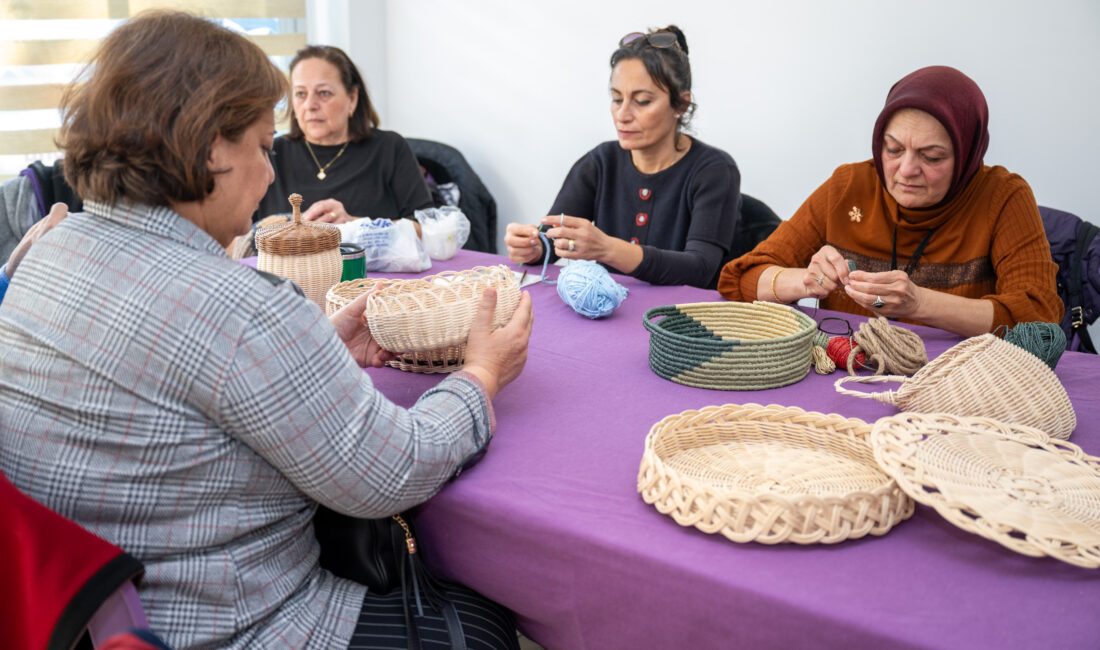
(769, 474)
(1010, 483)
(730, 345)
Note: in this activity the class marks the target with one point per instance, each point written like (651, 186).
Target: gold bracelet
(776, 275)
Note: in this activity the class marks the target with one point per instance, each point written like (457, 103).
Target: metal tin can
(355, 265)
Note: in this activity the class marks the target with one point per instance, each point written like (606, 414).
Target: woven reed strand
(769, 474)
(986, 377)
(315, 273)
(730, 345)
(1009, 483)
(896, 350)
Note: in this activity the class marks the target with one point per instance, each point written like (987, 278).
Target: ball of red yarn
(838, 348)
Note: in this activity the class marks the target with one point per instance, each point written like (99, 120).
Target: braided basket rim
(765, 515)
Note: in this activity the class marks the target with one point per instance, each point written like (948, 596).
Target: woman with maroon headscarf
(938, 237)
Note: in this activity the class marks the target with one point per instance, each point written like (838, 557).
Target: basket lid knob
(297, 237)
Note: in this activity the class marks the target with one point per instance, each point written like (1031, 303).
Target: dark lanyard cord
(916, 254)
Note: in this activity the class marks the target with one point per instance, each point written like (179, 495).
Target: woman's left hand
(327, 211)
(890, 293)
(576, 238)
(351, 326)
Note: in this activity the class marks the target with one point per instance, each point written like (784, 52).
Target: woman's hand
(351, 326)
(57, 212)
(826, 271)
(578, 239)
(522, 241)
(890, 293)
(497, 357)
(327, 211)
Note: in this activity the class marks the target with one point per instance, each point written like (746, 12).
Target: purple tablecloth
(550, 523)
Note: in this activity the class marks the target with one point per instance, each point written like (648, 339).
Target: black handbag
(383, 555)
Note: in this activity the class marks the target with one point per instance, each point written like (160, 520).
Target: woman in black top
(657, 204)
(335, 156)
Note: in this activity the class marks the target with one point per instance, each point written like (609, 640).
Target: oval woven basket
(769, 474)
(1009, 483)
(730, 345)
(426, 321)
(344, 293)
(982, 376)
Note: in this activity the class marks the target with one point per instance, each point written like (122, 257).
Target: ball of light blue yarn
(588, 288)
(1045, 340)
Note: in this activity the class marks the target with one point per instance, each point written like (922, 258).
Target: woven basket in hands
(345, 293)
(426, 321)
(769, 474)
(1009, 483)
(307, 253)
(730, 345)
(982, 376)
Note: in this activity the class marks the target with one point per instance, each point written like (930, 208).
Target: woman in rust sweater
(938, 237)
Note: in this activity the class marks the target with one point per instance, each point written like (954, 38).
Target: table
(550, 523)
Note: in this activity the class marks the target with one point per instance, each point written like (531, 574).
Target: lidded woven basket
(1009, 483)
(982, 376)
(730, 345)
(769, 474)
(307, 253)
(426, 321)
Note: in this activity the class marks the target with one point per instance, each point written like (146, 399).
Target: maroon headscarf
(956, 101)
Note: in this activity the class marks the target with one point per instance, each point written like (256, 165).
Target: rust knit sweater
(989, 243)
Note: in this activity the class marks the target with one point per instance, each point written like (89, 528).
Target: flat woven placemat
(1012, 484)
(769, 474)
(730, 345)
(982, 376)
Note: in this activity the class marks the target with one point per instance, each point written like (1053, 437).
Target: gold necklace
(321, 168)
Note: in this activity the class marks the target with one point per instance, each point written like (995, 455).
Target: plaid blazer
(179, 405)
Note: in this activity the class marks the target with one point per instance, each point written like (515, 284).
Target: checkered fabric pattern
(179, 405)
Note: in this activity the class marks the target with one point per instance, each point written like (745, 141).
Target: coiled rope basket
(730, 345)
(426, 321)
(769, 474)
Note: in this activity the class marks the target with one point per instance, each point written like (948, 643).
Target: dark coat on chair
(447, 165)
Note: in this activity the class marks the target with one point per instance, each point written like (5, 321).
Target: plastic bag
(444, 229)
(388, 246)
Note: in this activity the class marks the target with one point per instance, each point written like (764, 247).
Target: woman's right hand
(522, 241)
(497, 357)
(826, 272)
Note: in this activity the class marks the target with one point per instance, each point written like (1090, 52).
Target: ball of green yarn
(1045, 340)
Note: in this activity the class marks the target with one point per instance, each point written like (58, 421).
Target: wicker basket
(730, 345)
(769, 474)
(982, 376)
(344, 293)
(426, 321)
(307, 253)
(1009, 483)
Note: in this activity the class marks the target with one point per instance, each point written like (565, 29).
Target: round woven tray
(1009, 483)
(730, 345)
(769, 474)
(982, 376)
(426, 321)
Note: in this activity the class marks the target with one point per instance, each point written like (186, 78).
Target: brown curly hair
(160, 88)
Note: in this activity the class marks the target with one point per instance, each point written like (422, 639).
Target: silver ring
(820, 279)
(878, 303)
(572, 245)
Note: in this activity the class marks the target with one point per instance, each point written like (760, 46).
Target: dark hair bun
(680, 38)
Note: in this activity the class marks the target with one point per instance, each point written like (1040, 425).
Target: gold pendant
(321, 175)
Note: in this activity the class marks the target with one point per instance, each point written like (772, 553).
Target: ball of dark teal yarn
(1045, 340)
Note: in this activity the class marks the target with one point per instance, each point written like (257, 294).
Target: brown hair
(668, 67)
(157, 92)
(365, 117)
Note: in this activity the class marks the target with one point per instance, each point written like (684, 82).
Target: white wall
(790, 88)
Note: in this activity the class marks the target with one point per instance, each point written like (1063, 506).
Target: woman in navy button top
(657, 204)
